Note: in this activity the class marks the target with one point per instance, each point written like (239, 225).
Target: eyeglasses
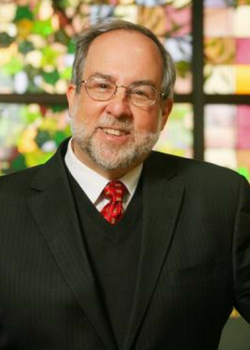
(140, 95)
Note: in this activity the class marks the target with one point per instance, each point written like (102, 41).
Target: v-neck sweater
(113, 252)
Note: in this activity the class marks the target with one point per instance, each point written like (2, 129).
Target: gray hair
(85, 39)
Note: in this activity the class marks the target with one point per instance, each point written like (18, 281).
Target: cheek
(149, 122)
(89, 110)
(81, 113)
(75, 109)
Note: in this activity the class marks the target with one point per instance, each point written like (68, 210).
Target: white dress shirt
(93, 183)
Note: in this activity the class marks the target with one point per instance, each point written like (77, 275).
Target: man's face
(114, 136)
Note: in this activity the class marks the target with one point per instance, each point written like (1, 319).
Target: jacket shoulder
(23, 178)
(20, 180)
(194, 170)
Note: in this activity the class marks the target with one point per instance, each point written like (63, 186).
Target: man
(161, 266)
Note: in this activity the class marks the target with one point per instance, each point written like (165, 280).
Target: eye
(141, 91)
(103, 85)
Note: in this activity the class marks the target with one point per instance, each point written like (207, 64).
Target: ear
(167, 106)
(71, 96)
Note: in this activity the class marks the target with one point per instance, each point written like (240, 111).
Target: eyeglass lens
(103, 89)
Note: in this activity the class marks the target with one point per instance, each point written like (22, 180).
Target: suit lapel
(52, 206)
(161, 204)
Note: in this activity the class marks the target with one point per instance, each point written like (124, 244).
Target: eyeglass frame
(127, 88)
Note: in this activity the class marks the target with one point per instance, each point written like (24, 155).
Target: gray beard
(108, 156)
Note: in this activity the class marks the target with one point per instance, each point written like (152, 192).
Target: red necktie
(113, 211)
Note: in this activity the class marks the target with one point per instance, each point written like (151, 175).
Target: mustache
(123, 123)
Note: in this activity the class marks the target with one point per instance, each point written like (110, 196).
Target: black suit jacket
(194, 266)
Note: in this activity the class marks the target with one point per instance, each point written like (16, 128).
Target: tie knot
(115, 191)
(113, 210)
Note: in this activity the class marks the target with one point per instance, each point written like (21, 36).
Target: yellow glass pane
(242, 76)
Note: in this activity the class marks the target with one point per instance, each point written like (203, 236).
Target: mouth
(114, 132)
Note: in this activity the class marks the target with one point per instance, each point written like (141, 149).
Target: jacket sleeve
(241, 252)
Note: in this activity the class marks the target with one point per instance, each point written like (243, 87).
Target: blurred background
(210, 43)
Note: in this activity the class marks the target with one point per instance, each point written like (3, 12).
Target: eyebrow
(101, 75)
(143, 82)
(134, 83)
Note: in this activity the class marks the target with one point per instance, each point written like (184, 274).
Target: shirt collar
(93, 183)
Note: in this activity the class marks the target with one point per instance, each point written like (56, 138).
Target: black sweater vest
(114, 253)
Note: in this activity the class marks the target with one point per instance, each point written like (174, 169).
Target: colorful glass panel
(37, 38)
(227, 136)
(177, 136)
(227, 47)
(30, 134)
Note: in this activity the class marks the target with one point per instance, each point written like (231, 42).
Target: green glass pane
(6, 40)
(71, 47)
(25, 46)
(18, 163)
(14, 66)
(43, 28)
(52, 77)
(49, 56)
(245, 172)
(62, 37)
(66, 73)
(23, 12)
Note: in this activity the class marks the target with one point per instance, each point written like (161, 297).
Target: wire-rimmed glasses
(139, 94)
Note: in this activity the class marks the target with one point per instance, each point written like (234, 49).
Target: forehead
(124, 55)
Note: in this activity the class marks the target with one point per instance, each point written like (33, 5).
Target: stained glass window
(227, 47)
(227, 136)
(37, 49)
(176, 138)
(37, 38)
(30, 134)
(36, 56)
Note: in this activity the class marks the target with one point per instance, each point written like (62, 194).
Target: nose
(119, 105)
